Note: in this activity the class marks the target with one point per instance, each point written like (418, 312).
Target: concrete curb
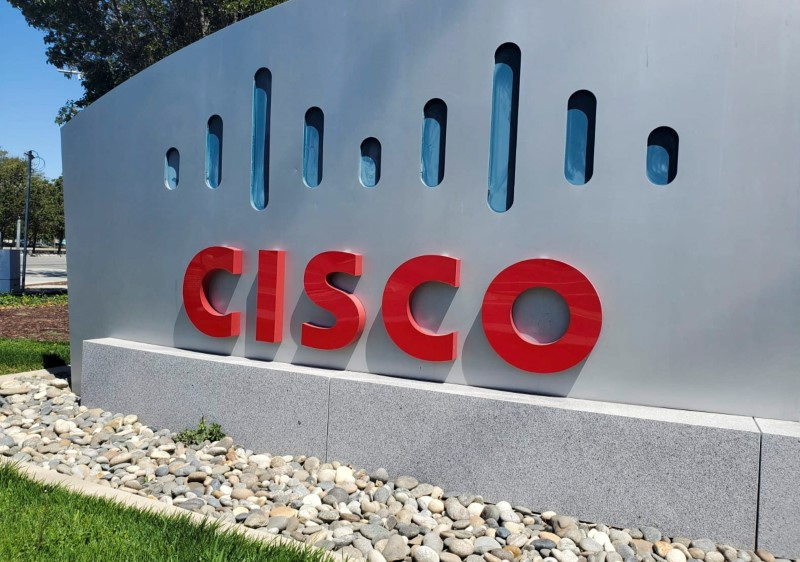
(44, 373)
(87, 488)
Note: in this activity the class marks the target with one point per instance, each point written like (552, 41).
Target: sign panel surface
(651, 146)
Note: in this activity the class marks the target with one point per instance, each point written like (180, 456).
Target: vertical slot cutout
(662, 155)
(214, 152)
(503, 141)
(172, 168)
(579, 151)
(313, 137)
(259, 162)
(434, 133)
(370, 170)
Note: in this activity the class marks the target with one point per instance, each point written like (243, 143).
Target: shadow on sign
(429, 305)
(482, 367)
(186, 336)
(306, 311)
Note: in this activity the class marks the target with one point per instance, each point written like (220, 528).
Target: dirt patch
(44, 323)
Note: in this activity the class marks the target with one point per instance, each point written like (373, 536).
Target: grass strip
(17, 356)
(45, 522)
(7, 300)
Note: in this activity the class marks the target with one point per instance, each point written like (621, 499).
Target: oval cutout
(313, 138)
(579, 151)
(434, 136)
(370, 169)
(214, 152)
(503, 141)
(662, 155)
(172, 168)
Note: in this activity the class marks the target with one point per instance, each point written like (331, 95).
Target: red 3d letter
(269, 299)
(195, 301)
(400, 324)
(585, 316)
(347, 309)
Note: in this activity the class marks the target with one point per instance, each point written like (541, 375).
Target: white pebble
(676, 555)
(312, 500)
(344, 474)
(326, 475)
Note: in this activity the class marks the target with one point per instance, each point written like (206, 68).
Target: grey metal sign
(651, 145)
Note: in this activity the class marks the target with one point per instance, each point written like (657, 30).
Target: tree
(12, 194)
(57, 212)
(67, 112)
(108, 41)
(46, 219)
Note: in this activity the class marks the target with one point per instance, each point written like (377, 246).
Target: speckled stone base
(779, 500)
(688, 473)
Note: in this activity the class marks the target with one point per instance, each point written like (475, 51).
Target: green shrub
(8, 300)
(203, 433)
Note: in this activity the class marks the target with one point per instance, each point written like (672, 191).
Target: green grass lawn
(17, 356)
(41, 522)
(7, 300)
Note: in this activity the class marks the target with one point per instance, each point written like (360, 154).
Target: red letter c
(400, 324)
(200, 312)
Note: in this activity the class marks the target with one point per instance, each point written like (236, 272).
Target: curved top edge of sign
(272, 12)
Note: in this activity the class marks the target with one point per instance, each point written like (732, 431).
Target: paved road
(46, 270)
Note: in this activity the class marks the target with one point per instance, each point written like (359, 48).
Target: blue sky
(31, 92)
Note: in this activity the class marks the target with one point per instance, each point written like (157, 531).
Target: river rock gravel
(354, 513)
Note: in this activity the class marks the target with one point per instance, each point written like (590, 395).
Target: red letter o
(586, 316)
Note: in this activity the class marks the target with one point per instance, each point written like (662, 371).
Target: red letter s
(348, 310)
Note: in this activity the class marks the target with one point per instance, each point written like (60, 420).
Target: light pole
(29, 154)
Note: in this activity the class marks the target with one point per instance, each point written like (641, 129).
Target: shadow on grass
(52, 360)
